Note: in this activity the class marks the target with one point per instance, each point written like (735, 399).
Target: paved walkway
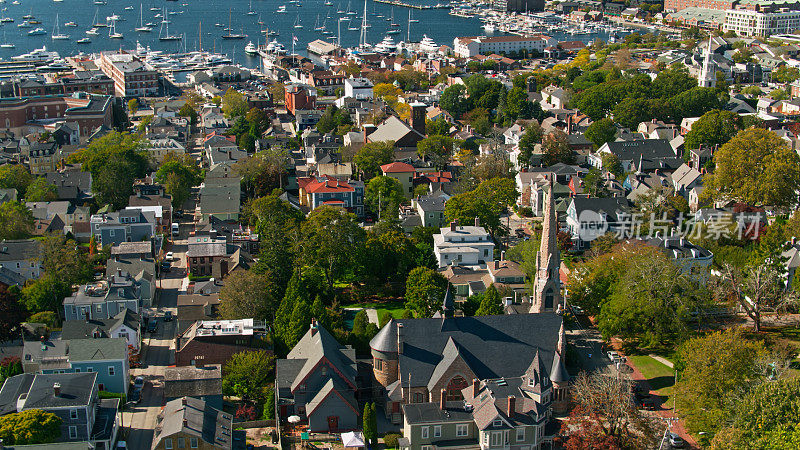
(663, 411)
(372, 315)
(663, 361)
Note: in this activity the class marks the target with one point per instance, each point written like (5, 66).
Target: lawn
(394, 308)
(661, 378)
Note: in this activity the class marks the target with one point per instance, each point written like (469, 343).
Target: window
(425, 432)
(111, 233)
(485, 439)
(426, 447)
(168, 443)
(181, 442)
(99, 308)
(101, 386)
(437, 431)
(193, 442)
(454, 388)
(497, 423)
(77, 370)
(520, 434)
(461, 429)
(418, 398)
(89, 369)
(73, 414)
(73, 432)
(378, 364)
(111, 371)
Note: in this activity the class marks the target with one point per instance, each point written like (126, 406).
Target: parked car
(613, 356)
(675, 441)
(577, 310)
(152, 325)
(166, 266)
(168, 316)
(169, 257)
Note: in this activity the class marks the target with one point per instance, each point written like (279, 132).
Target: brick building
(95, 82)
(720, 5)
(300, 97)
(89, 111)
(215, 341)
(132, 77)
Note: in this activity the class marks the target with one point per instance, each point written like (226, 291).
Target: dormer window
(497, 423)
(531, 382)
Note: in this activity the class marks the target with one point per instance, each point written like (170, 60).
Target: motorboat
(427, 44)
(39, 31)
(251, 49)
(24, 24)
(6, 20)
(85, 40)
(387, 45)
(37, 55)
(93, 32)
(70, 24)
(281, 9)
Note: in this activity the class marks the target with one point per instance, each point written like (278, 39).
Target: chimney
(313, 327)
(183, 401)
(418, 117)
(185, 423)
(496, 264)
(399, 338)
(119, 273)
(56, 389)
(477, 222)
(512, 403)
(443, 400)
(503, 255)
(476, 387)
(453, 226)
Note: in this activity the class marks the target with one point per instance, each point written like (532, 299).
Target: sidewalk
(663, 411)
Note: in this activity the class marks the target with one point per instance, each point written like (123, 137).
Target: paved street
(140, 419)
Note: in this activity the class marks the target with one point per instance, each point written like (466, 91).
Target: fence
(255, 423)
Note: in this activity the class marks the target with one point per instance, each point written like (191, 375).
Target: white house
(160, 147)
(463, 245)
(358, 88)
(467, 47)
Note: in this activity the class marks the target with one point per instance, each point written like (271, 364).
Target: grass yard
(661, 378)
(394, 308)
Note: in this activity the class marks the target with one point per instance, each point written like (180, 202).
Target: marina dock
(408, 5)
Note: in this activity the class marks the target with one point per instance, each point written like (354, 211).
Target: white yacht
(387, 45)
(281, 9)
(93, 32)
(427, 44)
(37, 32)
(251, 49)
(275, 47)
(40, 54)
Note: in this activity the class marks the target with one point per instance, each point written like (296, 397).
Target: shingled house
(423, 360)
(317, 381)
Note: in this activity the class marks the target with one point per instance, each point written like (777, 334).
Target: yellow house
(402, 172)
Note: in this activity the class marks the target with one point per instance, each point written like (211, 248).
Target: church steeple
(708, 73)
(547, 286)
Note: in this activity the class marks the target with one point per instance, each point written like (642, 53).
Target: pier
(408, 5)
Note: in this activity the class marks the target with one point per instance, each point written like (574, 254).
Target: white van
(176, 229)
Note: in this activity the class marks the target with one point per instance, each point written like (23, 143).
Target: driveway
(140, 420)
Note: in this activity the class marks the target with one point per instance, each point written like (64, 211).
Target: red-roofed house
(402, 172)
(433, 177)
(327, 190)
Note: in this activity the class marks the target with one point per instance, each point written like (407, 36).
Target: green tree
(187, 110)
(334, 119)
(527, 143)
(650, 302)
(114, 160)
(785, 74)
(248, 375)
(62, 258)
(713, 370)
(556, 148)
(486, 202)
(234, 103)
(767, 417)
(611, 164)
(178, 175)
(12, 313)
(49, 318)
(633, 111)
(601, 131)
(15, 176)
(425, 291)
(517, 104)
(32, 426)
(454, 100)
(439, 126)
(331, 239)
(277, 222)
(370, 424)
(16, 221)
(41, 191)
(436, 149)
(264, 171)
(296, 293)
(133, 106)
(715, 127)
(491, 303)
(372, 156)
(384, 195)
(249, 294)
(695, 102)
(595, 183)
(299, 323)
(755, 167)
(45, 294)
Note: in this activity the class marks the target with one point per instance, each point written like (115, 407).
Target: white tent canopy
(353, 439)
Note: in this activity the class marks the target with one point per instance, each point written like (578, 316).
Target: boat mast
(200, 34)
(408, 37)
(363, 39)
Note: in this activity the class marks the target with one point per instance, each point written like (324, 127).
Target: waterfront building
(720, 5)
(132, 77)
(518, 5)
(87, 110)
(467, 47)
(747, 22)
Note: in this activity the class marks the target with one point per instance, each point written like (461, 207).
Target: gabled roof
(318, 345)
(336, 388)
(194, 417)
(397, 167)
